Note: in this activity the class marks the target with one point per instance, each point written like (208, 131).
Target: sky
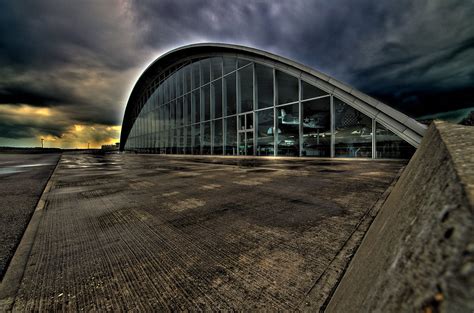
(68, 67)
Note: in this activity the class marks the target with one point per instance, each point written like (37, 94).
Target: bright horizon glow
(77, 135)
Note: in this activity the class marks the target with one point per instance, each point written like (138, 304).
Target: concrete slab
(147, 232)
(418, 255)
(22, 180)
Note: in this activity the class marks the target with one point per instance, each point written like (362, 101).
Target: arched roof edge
(173, 56)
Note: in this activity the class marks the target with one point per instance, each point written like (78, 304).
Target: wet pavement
(150, 232)
(22, 180)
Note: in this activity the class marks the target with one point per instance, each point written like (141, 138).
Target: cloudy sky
(67, 67)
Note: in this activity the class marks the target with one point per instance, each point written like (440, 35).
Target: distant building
(114, 147)
(232, 100)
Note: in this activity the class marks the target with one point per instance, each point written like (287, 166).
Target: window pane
(187, 109)
(265, 132)
(179, 112)
(206, 139)
(196, 75)
(179, 83)
(183, 141)
(246, 89)
(231, 136)
(310, 91)
(229, 65)
(172, 86)
(353, 137)
(241, 122)
(178, 141)
(230, 94)
(242, 62)
(156, 123)
(196, 106)
(389, 145)
(264, 75)
(160, 95)
(172, 114)
(217, 90)
(166, 95)
(187, 78)
(196, 140)
(205, 71)
(160, 118)
(249, 118)
(189, 140)
(206, 102)
(217, 137)
(288, 130)
(164, 141)
(287, 87)
(216, 67)
(166, 116)
(170, 141)
(156, 144)
(317, 127)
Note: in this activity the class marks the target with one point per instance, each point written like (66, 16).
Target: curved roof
(401, 124)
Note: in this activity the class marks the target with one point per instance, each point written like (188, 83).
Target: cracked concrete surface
(143, 232)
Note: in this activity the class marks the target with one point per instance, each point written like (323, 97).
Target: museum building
(221, 99)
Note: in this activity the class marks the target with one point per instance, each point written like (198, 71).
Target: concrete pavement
(22, 180)
(142, 232)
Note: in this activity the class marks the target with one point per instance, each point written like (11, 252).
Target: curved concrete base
(418, 254)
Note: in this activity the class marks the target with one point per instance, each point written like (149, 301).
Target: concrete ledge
(418, 255)
(16, 269)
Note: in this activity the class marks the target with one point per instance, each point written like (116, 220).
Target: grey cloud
(16, 131)
(397, 51)
(16, 94)
(44, 34)
(12, 128)
(84, 56)
(77, 56)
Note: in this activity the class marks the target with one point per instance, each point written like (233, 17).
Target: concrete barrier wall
(418, 255)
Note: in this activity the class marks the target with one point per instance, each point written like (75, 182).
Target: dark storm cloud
(81, 58)
(16, 131)
(394, 50)
(20, 130)
(76, 57)
(45, 34)
(24, 94)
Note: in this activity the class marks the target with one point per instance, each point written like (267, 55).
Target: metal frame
(152, 137)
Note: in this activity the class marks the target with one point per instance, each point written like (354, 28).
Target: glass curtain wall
(316, 124)
(390, 146)
(353, 132)
(201, 107)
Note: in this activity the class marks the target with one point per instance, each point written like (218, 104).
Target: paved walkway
(136, 232)
(22, 180)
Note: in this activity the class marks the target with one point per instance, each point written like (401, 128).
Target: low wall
(418, 255)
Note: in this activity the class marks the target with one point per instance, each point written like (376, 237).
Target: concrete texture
(22, 180)
(418, 255)
(148, 232)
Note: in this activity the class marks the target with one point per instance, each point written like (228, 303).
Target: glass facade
(288, 130)
(353, 134)
(390, 146)
(316, 120)
(234, 106)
